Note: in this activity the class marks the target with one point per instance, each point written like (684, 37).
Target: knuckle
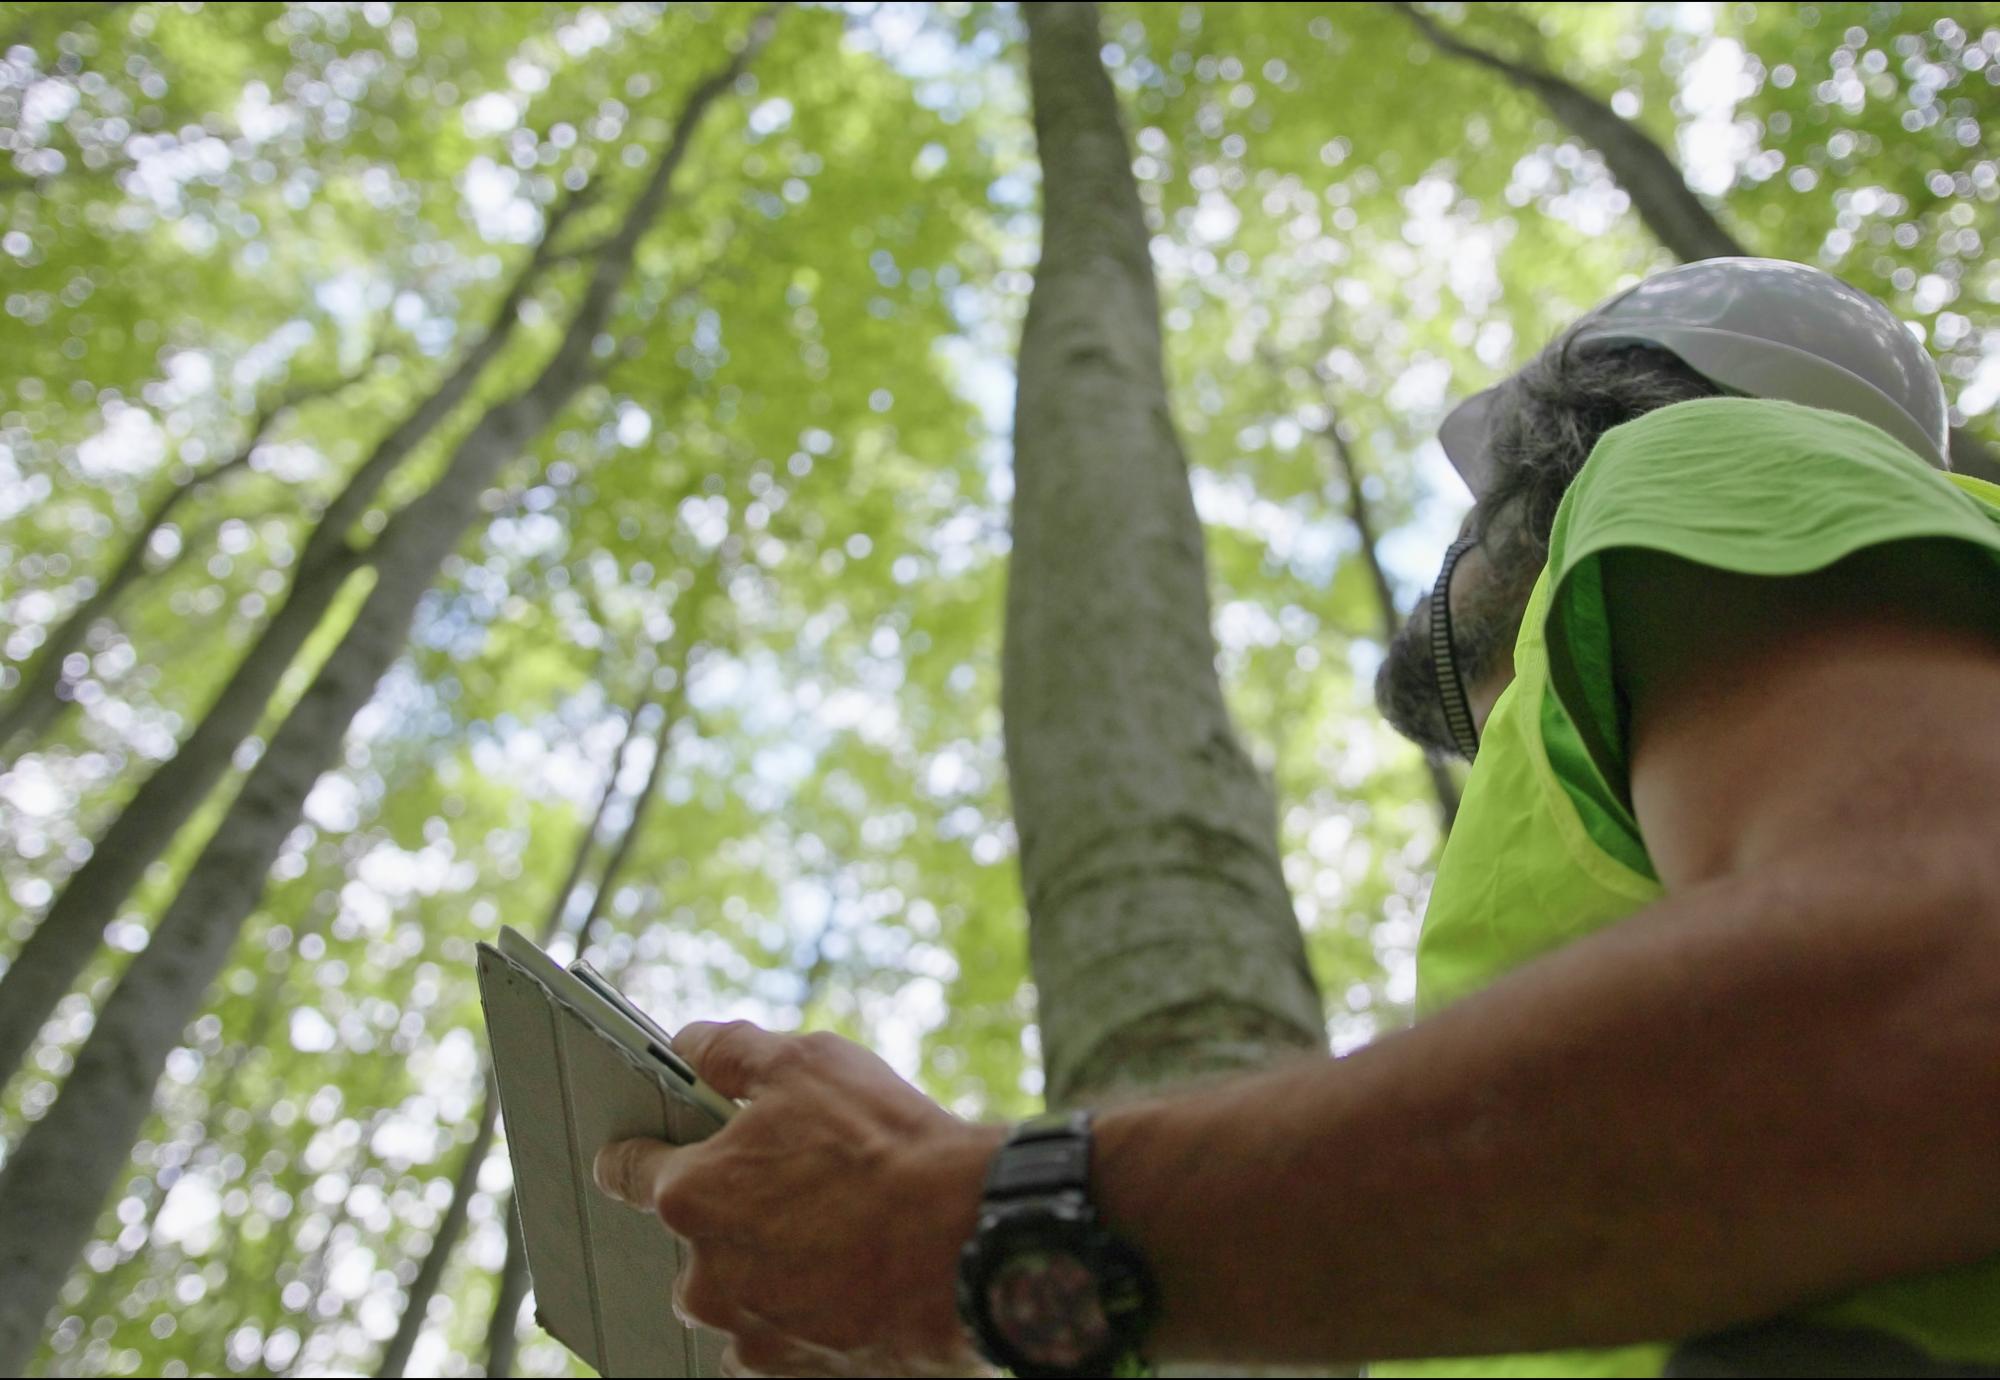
(677, 1204)
(761, 1353)
(727, 1056)
(821, 1044)
(701, 1299)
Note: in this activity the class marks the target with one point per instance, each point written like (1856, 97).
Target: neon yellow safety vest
(1545, 849)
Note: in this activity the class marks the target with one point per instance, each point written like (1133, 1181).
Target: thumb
(634, 1171)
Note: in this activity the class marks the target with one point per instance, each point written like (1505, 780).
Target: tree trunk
(72, 928)
(1670, 208)
(503, 1332)
(501, 1336)
(41, 695)
(53, 1184)
(112, 1285)
(641, 806)
(430, 1274)
(1162, 939)
(1390, 618)
(559, 904)
(410, 1326)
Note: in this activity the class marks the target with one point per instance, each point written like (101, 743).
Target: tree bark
(1162, 939)
(559, 904)
(430, 1274)
(112, 1284)
(72, 928)
(1671, 209)
(1389, 616)
(641, 806)
(41, 696)
(53, 1184)
(396, 1357)
(503, 1332)
(501, 1335)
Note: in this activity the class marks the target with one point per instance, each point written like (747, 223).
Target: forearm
(1752, 1094)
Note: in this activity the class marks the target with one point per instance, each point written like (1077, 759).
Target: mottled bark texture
(57, 1178)
(72, 929)
(1671, 209)
(1163, 941)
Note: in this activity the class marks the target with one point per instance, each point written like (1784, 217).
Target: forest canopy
(549, 464)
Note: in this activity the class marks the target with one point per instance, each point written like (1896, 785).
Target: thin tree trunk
(71, 930)
(394, 449)
(109, 1286)
(52, 1185)
(503, 1331)
(410, 1325)
(1389, 616)
(430, 1274)
(501, 1339)
(1162, 939)
(642, 805)
(1671, 209)
(559, 904)
(41, 695)
(314, 1270)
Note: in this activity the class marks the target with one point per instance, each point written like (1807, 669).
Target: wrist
(1153, 1187)
(947, 1179)
(1044, 1287)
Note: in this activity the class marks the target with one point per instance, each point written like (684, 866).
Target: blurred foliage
(780, 513)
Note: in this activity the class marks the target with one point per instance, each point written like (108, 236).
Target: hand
(823, 1224)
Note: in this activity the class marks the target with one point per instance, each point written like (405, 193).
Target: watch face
(1044, 1303)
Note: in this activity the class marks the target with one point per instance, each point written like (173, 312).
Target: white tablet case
(603, 1272)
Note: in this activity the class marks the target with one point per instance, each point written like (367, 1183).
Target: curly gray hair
(1545, 421)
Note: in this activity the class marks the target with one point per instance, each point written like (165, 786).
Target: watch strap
(1045, 1155)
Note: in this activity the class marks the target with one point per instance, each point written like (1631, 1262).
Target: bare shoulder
(1853, 709)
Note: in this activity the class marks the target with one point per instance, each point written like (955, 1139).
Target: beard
(1483, 628)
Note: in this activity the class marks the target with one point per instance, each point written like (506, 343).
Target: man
(1732, 837)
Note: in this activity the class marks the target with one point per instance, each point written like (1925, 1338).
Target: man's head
(1542, 424)
(1763, 328)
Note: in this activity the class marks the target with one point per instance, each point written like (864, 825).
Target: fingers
(635, 1172)
(757, 1348)
(735, 1057)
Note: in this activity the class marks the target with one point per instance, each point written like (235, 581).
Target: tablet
(577, 1066)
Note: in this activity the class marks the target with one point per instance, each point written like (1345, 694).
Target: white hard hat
(1763, 328)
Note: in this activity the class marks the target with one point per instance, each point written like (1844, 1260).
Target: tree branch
(43, 693)
(1667, 206)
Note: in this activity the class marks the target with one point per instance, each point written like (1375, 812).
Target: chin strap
(1451, 686)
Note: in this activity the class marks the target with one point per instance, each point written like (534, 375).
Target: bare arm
(1776, 1084)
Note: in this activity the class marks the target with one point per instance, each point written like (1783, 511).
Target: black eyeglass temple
(1451, 686)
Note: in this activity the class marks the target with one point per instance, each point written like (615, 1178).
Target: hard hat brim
(1463, 434)
(1758, 369)
(1770, 369)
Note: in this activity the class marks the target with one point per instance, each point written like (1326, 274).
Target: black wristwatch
(1045, 1288)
